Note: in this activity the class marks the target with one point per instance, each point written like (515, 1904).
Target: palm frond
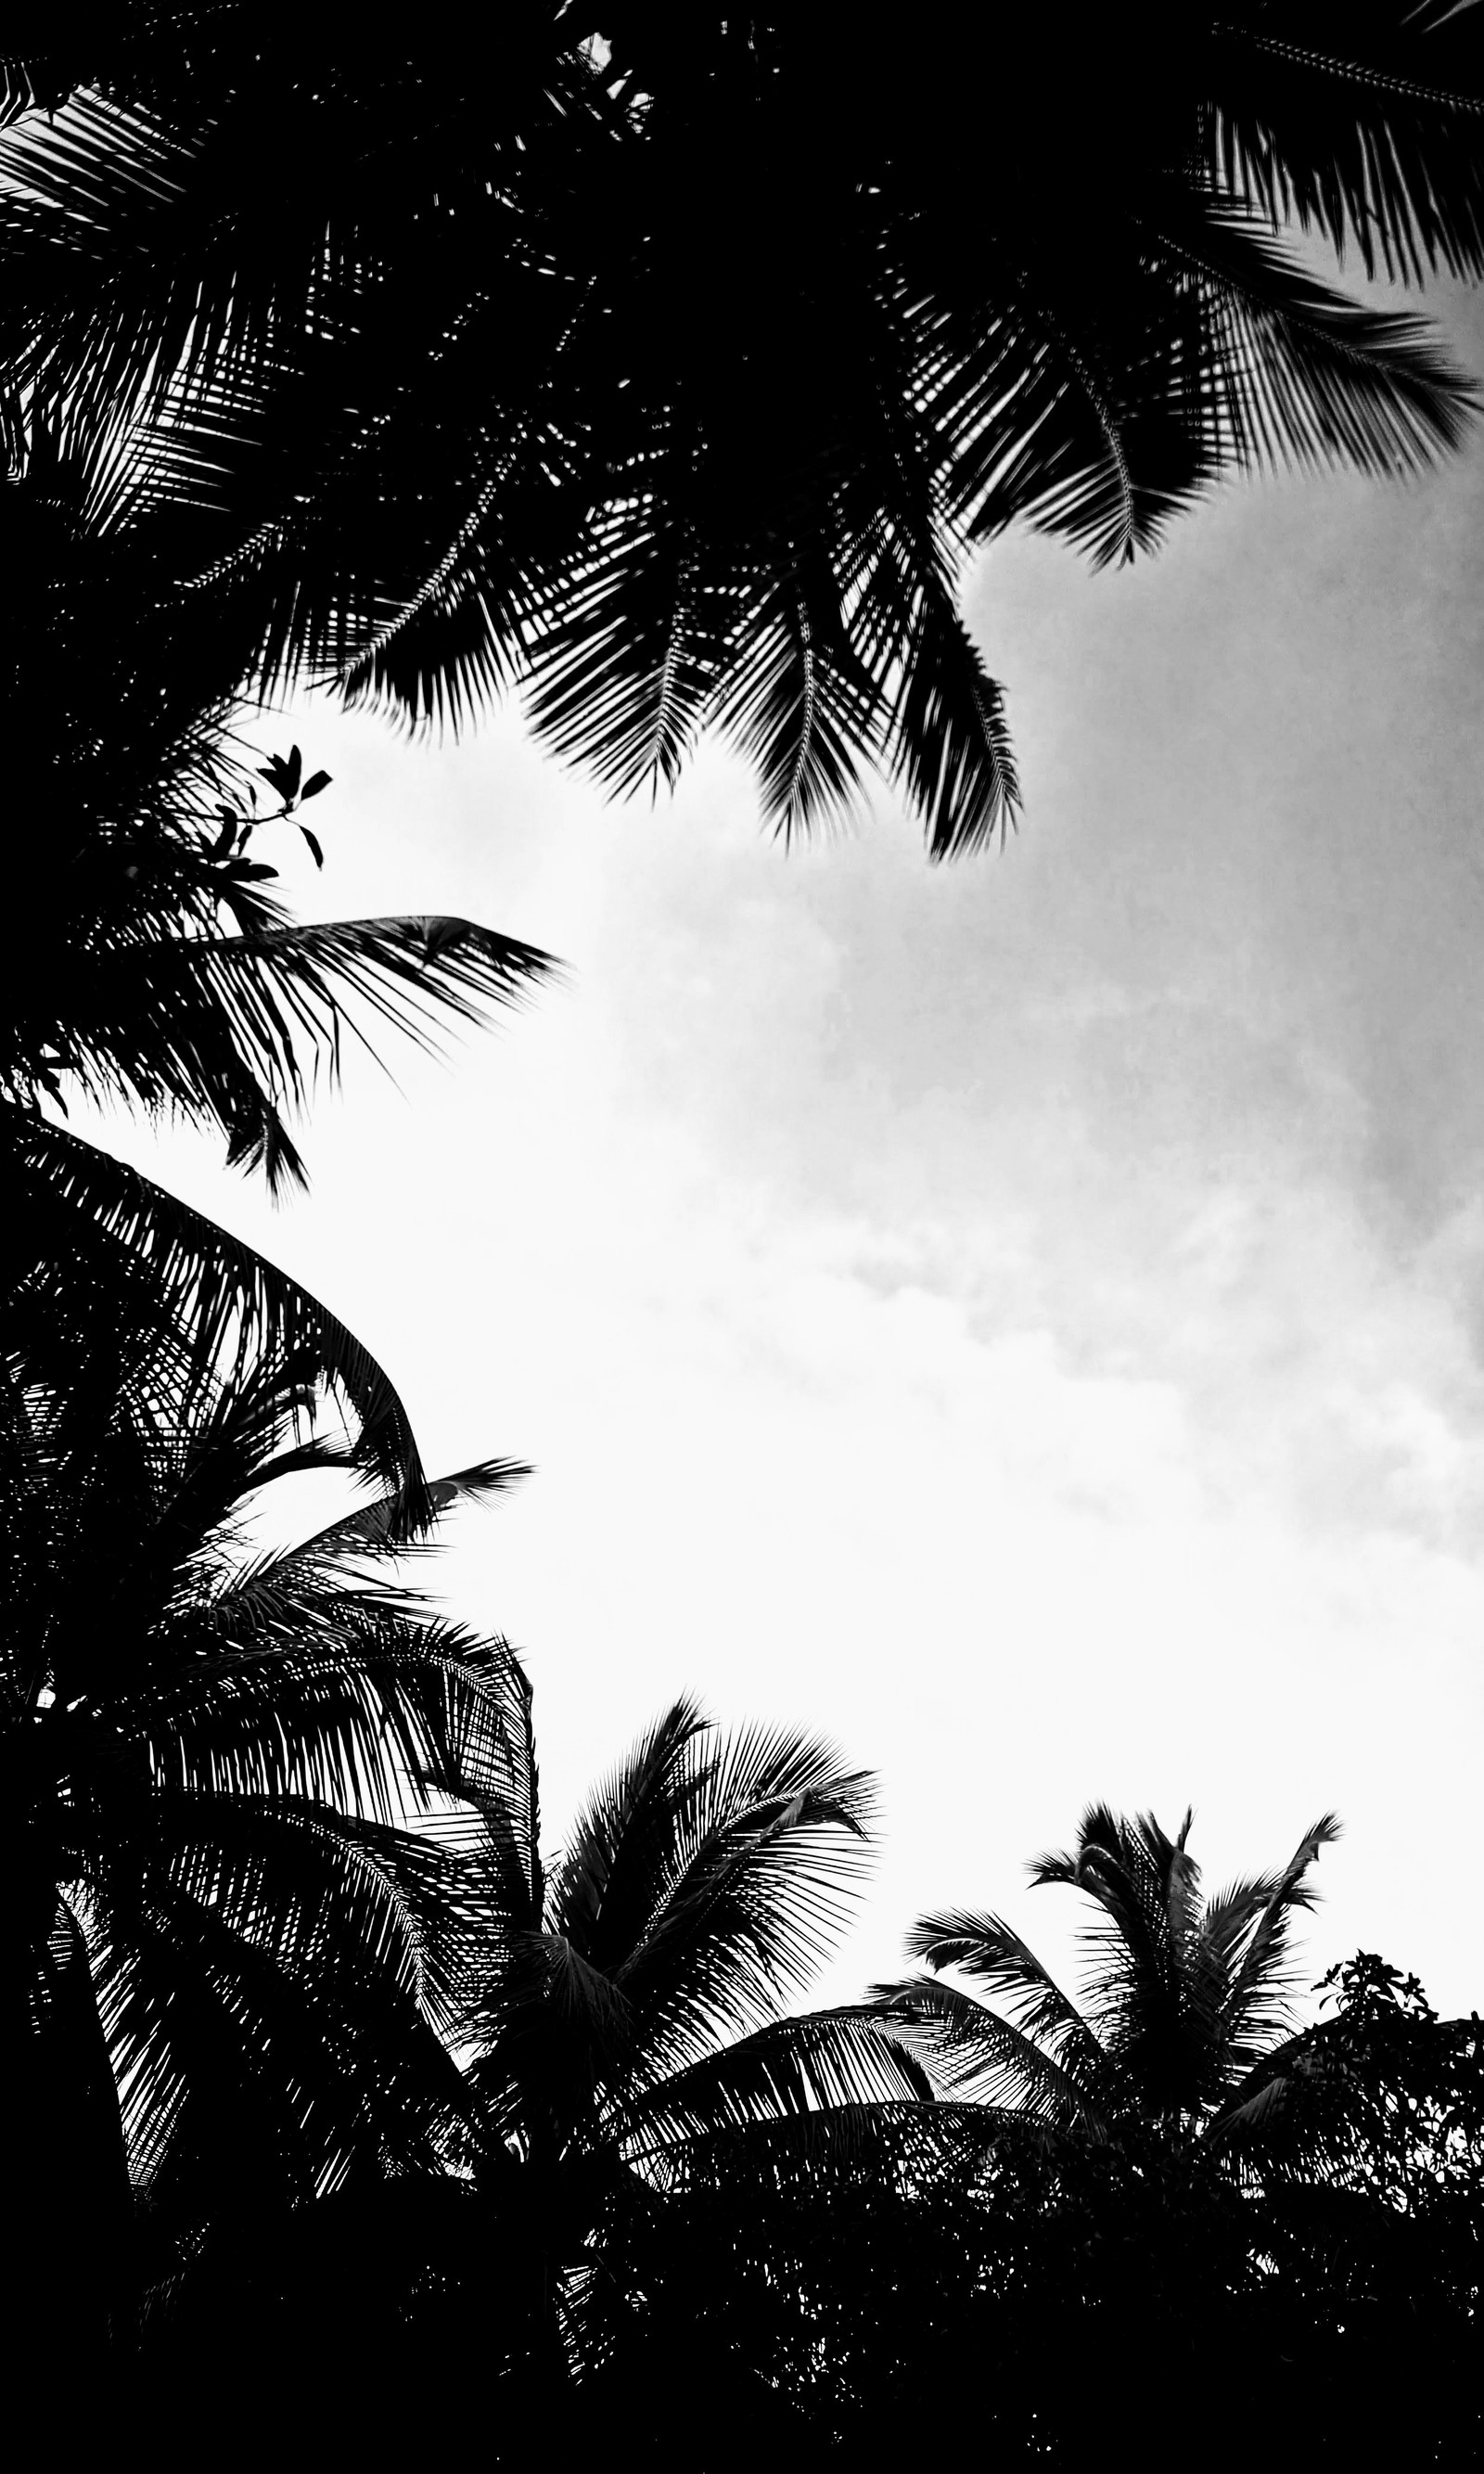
(1255, 2005)
(949, 740)
(238, 1028)
(766, 1854)
(624, 678)
(800, 705)
(258, 1956)
(802, 2065)
(1303, 376)
(423, 420)
(983, 1949)
(973, 2054)
(373, 1533)
(355, 1708)
(1384, 156)
(86, 1227)
(1134, 1995)
(611, 1878)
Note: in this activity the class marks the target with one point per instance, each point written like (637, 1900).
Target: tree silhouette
(621, 2010)
(1186, 2002)
(636, 2103)
(673, 369)
(159, 968)
(1173, 2155)
(215, 1916)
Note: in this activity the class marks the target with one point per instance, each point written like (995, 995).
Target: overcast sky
(1023, 1318)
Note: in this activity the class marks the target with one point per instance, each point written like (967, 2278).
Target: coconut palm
(672, 362)
(1119, 2191)
(1185, 2009)
(215, 1916)
(1177, 2170)
(638, 2114)
(623, 2031)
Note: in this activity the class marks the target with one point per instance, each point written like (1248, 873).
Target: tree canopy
(668, 364)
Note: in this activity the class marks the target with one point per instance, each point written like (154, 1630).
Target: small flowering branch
(283, 774)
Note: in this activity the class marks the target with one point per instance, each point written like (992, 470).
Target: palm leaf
(1254, 2004)
(801, 2064)
(373, 1532)
(983, 1949)
(974, 2055)
(766, 1854)
(353, 1709)
(425, 421)
(1384, 158)
(611, 1877)
(264, 1955)
(85, 1224)
(236, 1028)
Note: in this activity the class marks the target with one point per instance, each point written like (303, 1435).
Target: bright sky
(1024, 1318)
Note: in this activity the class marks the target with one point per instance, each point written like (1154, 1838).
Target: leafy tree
(1363, 2148)
(670, 362)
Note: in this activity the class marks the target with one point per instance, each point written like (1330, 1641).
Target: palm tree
(215, 1916)
(1121, 2208)
(1175, 2175)
(1185, 2013)
(626, 2051)
(673, 368)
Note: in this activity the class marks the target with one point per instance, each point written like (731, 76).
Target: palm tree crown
(669, 362)
(621, 2018)
(1185, 2003)
(212, 1903)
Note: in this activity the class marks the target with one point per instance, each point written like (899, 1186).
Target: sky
(1024, 1318)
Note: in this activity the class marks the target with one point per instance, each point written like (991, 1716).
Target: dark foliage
(666, 366)
(216, 1920)
(625, 2064)
(157, 968)
(153, 965)
(669, 362)
(810, 2256)
(1173, 2160)
(1186, 2011)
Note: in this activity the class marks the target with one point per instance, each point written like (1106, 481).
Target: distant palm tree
(215, 1914)
(620, 2020)
(1129, 2137)
(1174, 2172)
(1184, 2013)
(671, 360)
